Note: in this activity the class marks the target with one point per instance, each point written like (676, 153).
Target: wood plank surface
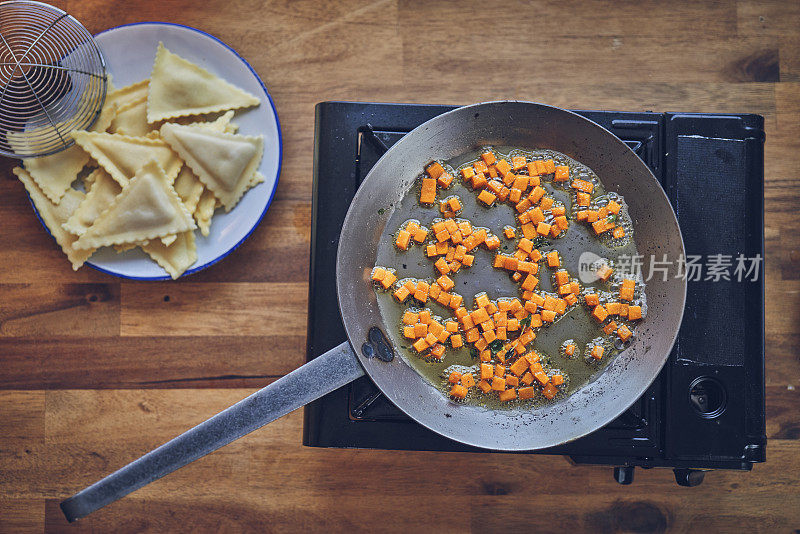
(95, 371)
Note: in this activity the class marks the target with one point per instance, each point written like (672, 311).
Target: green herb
(526, 322)
(473, 352)
(496, 346)
(381, 211)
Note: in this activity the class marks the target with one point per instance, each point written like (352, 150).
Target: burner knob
(689, 477)
(624, 474)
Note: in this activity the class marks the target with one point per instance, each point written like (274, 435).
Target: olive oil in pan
(576, 325)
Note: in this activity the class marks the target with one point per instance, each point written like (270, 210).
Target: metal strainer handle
(52, 79)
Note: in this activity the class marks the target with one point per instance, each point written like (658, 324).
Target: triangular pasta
(147, 208)
(131, 119)
(205, 211)
(103, 192)
(220, 124)
(175, 258)
(121, 156)
(129, 93)
(178, 87)
(54, 174)
(55, 215)
(225, 163)
(189, 188)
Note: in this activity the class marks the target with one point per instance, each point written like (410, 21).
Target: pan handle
(330, 371)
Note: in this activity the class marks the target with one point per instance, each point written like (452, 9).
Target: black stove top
(706, 408)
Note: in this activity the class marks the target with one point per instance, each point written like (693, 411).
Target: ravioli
(54, 173)
(189, 188)
(138, 190)
(225, 163)
(129, 93)
(205, 211)
(54, 215)
(176, 257)
(103, 192)
(131, 119)
(121, 156)
(147, 208)
(178, 87)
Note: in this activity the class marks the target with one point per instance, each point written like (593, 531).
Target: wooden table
(95, 371)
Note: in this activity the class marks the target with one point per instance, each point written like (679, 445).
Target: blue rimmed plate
(129, 52)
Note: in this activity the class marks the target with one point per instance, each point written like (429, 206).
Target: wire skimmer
(52, 79)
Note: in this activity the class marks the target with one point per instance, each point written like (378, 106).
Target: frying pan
(506, 123)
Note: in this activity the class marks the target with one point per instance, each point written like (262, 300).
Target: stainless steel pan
(505, 123)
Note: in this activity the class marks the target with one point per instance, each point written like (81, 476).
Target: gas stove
(706, 408)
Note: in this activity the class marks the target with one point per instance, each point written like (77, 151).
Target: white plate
(129, 52)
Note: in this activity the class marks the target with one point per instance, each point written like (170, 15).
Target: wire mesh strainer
(52, 79)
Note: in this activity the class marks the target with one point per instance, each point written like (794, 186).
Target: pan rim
(607, 415)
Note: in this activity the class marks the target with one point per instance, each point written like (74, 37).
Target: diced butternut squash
(445, 282)
(599, 313)
(409, 317)
(402, 294)
(487, 197)
(467, 380)
(626, 289)
(492, 242)
(519, 367)
(458, 391)
(487, 371)
(425, 316)
(437, 351)
(403, 237)
(536, 194)
(445, 180)
(428, 192)
(434, 170)
(604, 272)
(526, 393)
(502, 167)
(624, 333)
(549, 391)
(498, 384)
(508, 395)
(582, 185)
